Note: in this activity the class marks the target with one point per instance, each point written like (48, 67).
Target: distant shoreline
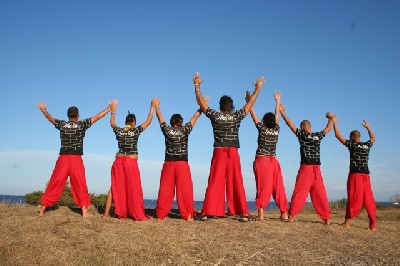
(151, 203)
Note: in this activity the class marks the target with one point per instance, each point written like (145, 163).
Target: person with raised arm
(266, 167)
(175, 173)
(225, 170)
(309, 177)
(69, 162)
(126, 186)
(359, 191)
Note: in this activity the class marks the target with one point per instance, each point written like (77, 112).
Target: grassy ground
(62, 237)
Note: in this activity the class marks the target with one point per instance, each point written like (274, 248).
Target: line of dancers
(225, 181)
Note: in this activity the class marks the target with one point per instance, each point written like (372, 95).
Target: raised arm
(199, 98)
(287, 119)
(338, 135)
(277, 96)
(100, 115)
(146, 123)
(252, 111)
(258, 84)
(158, 112)
(113, 108)
(329, 124)
(197, 114)
(42, 107)
(370, 133)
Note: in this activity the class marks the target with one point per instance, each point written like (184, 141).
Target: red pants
(175, 173)
(309, 180)
(126, 189)
(269, 181)
(225, 171)
(72, 166)
(359, 193)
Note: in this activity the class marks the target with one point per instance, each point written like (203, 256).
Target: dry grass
(62, 237)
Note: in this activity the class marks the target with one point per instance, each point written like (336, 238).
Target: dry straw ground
(62, 237)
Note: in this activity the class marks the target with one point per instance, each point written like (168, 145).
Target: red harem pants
(226, 171)
(126, 189)
(309, 180)
(359, 193)
(72, 166)
(175, 173)
(269, 181)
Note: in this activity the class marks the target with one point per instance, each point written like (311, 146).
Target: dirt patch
(63, 237)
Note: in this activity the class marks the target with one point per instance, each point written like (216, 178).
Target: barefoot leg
(260, 214)
(346, 223)
(291, 218)
(86, 213)
(41, 211)
(284, 216)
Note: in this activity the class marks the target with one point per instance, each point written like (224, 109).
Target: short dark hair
(269, 120)
(73, 112)
(226, 104)
(176, 120)
(130, 118)
(354, 135)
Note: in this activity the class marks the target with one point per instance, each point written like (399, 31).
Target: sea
(151, 203)
(148, 203)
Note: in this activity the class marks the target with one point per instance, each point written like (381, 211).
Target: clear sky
(337, 56)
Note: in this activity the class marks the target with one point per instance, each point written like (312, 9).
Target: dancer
(69, 162)
(126, 187)
(309, 178)
(267, 170)
(359, 191)
(176, 170)
(225, 167)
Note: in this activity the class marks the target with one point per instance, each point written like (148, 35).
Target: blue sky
(337, 56)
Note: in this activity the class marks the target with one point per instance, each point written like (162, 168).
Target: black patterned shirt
(226, 127)
(359, 153)
(310, 146)
(176, 141)
(267, 139)
(127, 140)
(71, 135)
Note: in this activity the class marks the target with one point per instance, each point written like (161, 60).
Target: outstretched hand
(41, 106)
(113, 105)
(155, 102)
(196, 79)
(260, 81)
(281, 108)
(365, 124)
(329, 115)
(277, 95)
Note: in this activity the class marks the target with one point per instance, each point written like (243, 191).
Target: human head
(130, 119)
(73, 112)
(226, 104)
(176, 120)
(305, 126)
(355, 136)
(269, 120)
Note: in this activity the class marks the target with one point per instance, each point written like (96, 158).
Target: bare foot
(346, 223)
(373, 229)
(291, 218)
(86, 213)
(260, 214)
(41, 211)
(105, 216)
(284, 217)
(327, 222)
